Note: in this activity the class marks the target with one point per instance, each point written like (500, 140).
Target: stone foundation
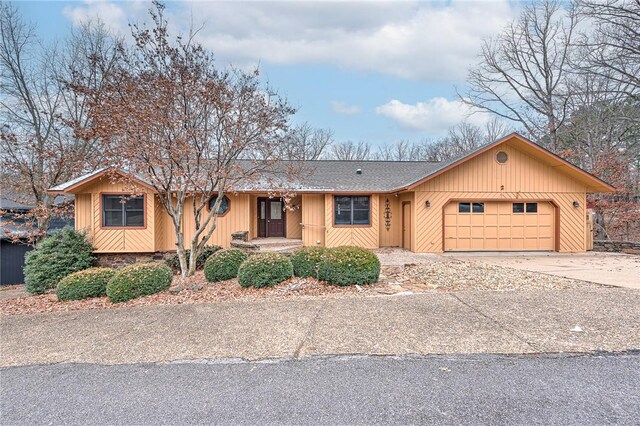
(119, 260)
(628, 247)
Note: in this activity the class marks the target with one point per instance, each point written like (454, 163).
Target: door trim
(402, 227)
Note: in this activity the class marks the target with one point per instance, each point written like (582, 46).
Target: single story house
(508, 195)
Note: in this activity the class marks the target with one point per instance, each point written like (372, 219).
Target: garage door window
(528, 207)
(470, 207)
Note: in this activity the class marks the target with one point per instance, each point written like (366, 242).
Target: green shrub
(61, 253)
(139, 279)
(174, 262)
(224, 264)
(306, 261)
(265, 270)
(350, 265)
(91, 282)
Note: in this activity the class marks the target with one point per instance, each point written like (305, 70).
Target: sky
(371, 71)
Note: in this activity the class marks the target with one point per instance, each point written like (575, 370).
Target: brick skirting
(119, 260)
(629, 247)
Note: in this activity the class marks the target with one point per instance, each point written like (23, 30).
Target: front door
(271, 217)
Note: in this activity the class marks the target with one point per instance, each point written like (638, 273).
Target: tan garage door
(498, 226)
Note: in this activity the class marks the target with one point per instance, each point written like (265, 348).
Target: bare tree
(522, 72)
(351, 151)
(168, 116)
(399, 151)
(304, 142)
(612, 47)
(38, 149)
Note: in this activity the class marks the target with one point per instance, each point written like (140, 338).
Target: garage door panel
(499, 229)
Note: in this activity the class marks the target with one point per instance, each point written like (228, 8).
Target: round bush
(224, 264)
(207, 251)
(349, 266)
(61, 253)
(139, 279)
(91, 282)
(265, 270)
(306, 261)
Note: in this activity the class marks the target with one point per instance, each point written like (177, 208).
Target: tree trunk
(181, 254)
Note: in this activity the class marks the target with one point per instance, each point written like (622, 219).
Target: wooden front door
(271, 217)
(406, 225)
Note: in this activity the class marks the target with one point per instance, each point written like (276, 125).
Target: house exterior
(13, 238)
(510, 195)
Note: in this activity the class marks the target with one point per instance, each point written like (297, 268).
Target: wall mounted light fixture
(576, 204)
(427, 204)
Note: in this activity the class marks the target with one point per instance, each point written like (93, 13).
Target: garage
(518, 225)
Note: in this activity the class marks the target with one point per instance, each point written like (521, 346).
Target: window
(502, 157)
(518, 207)
(532, 207)
(464, 207)
(478, 207)
(120, 211)
(351, 210)
(224, 204)
(470, 207)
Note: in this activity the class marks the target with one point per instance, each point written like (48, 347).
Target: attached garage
(499, 226)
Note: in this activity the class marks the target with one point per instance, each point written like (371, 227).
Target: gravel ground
(193, 290)
(456, 275)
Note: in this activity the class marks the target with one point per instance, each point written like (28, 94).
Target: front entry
(271, 217)
(406, 225)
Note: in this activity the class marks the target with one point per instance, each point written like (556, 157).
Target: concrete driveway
(621, 270)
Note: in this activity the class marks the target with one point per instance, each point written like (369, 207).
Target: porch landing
(279, 245)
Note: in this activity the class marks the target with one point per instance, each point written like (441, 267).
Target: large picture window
(352, 210)
(122, 211)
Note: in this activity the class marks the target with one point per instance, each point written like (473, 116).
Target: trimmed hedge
(349, 266)
(174, 262)
(265, 270)
(91, 282)
(224, 264)
(58, 255)
(306, 261)
(139, 279)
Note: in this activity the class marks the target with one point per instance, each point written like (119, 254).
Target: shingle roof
(382, 176)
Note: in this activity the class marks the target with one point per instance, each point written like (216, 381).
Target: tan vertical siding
(236, 219)
(83, 215)
(313, 220)
(391, 237)
(362, 236)
(294, 218)
(483, 178)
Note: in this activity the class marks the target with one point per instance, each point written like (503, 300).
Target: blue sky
(371, 71)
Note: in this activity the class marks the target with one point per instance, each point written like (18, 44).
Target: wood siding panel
(363, 236)
(82, 211)
(236, 219)
(313, 220)
(294, 218)
(391, 237)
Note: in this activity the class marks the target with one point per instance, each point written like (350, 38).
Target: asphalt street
(479, 389)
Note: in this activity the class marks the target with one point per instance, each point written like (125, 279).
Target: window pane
(532, 207)
(112, 218)
(136, 203)
(361, 217)
(343, 217)
(275, 210)
(263, 209)
(111, 202)
(343, 203)
(361, 203)
(135, 218)
(464, 207)
(478, 207)
(518, 207)
(224, 204)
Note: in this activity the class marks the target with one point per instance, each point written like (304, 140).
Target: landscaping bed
(456, 275)
(192, 290)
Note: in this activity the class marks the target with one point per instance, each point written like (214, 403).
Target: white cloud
(433, 116)
(417, 40)
(344, 108)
